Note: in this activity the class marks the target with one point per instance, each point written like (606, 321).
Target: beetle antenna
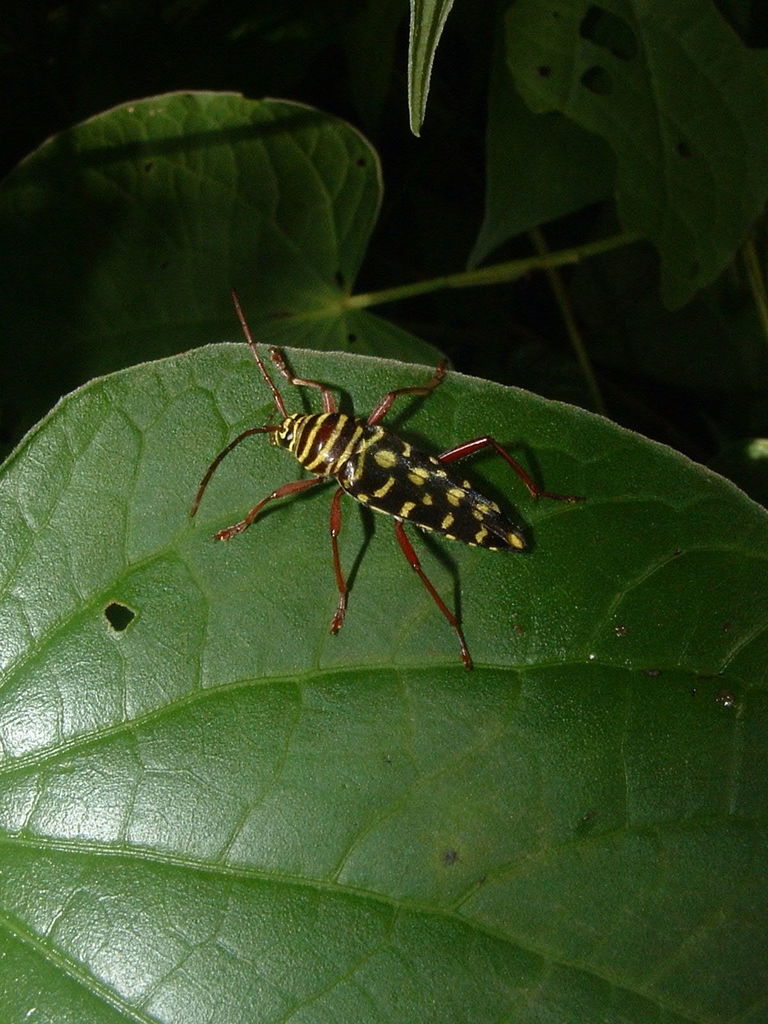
(278, 398)
(220, 457)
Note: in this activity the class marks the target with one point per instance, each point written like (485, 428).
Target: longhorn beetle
(383, 472)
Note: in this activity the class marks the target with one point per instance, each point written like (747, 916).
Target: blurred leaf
(538, 166)
(370, 38)
(428, 19)
(125, 234)
(211, 809)
(746, 463)
(682, 103)
(714, 345)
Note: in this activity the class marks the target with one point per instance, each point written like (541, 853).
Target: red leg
(281, 492)
(461, 451)
(216, 462)
(385, 404)
(341, 583)
(329, 402)
(412, 557)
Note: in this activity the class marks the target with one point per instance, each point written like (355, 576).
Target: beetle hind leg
(341, 583)
(462, 451)
(413, 560)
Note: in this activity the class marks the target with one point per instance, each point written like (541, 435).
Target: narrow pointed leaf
(428, 19)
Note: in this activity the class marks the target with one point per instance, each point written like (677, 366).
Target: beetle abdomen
(391, 476)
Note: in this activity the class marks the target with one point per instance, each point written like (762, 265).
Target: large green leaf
(682, 103)
(124, 234)
(216, 811)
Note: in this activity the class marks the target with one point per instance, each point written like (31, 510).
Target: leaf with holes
(211, 809)
(682, 103)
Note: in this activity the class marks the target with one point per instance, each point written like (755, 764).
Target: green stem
(497, 274)
(566, 311)
(756, 281)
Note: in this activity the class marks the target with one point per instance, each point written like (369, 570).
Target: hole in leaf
(586, 823)
(610, 32)
(119, 616)
(597, 80)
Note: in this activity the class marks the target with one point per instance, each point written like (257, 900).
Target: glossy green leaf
(124, 234)
(428, 19)
(682, 103)
(213, 810)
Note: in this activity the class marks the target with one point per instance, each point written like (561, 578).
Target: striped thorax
(322, 442)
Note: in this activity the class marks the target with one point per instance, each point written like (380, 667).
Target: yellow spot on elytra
(447, 521)
(478, 515)
(426, 499)
(481, 534)
(417, 478)
(362, 497)
(455, 494)
(515, 541)
(483, 507)
(385, 458)
(385, 488)
(406, 450)
(407, 508)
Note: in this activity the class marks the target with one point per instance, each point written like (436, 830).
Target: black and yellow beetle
(383, 472)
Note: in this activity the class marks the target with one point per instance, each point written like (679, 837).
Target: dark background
(61, 63)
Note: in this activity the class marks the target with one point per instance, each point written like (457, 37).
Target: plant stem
(496, 274)
(566, 310)
(756, 281)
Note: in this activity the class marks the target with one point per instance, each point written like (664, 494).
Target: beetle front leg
(385, 404)
(280, 492)
(277, 357)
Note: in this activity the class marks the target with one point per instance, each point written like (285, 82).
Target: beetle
(382, 471)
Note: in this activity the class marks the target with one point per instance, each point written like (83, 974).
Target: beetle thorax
(322, 442)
